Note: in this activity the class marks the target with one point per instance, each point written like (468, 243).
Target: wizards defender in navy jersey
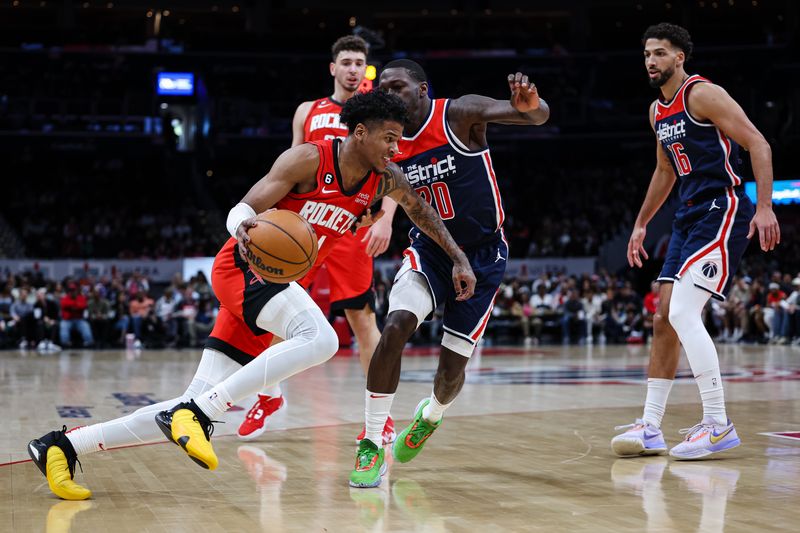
(446, 159)
(699, 129)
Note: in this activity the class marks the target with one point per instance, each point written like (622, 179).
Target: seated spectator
(543, 308)
(46, 313)
(139, 309)
(736, 318)
(167, 312)
(775, 314)
(99, 310)
(573, 317)
(120, 316)
(73, 307)
(22, 320)
(593, 305)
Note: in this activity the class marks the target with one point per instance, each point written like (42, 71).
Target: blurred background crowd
(98, 164)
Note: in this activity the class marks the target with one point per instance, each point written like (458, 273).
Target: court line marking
(588, 450)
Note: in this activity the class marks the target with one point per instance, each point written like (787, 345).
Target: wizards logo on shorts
(709, 270)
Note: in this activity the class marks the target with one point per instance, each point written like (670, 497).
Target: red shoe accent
(254, 423)
(387, 436)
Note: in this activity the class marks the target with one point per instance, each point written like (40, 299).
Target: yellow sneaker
(188, 427)
(54, 455)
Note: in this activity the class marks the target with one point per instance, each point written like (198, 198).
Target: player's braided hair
(374, 106)
(678, 36)
(350, 43)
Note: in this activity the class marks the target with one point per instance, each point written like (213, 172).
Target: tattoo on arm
(388, 182)
(425, 217)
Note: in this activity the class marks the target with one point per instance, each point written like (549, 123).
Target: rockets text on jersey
(329, 208)
(322, 122)
(458, 182)
(703, 156)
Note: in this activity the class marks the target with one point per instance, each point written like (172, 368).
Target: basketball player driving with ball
(236, 361)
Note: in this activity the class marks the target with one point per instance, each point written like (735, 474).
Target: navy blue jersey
(704, 158)
(458, 182)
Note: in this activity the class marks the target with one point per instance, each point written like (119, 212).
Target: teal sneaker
(370, 465)
(409, 443)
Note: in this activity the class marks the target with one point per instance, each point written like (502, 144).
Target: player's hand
(463, 280)
(378, 237)
(524, 96)
(243, 237)
(367, 219)
(769, 232)
(636, 247)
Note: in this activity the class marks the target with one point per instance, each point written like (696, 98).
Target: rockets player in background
(699, 129)
(350, 261)
(445, 156)
(234, 365)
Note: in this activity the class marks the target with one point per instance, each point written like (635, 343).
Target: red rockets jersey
(322, 121)
(329, 208)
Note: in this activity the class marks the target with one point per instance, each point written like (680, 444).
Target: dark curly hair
(673, 33)
(350, 43)
(374, 106)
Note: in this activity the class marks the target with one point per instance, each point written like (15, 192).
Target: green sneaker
(409, 443)
(370, 465)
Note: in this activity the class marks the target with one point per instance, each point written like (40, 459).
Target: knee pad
(686, 305)
(411, 293)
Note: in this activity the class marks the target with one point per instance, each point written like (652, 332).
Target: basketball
(282, 247)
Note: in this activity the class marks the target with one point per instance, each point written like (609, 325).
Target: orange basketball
(282, 247)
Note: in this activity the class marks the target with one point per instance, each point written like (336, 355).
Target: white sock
(273, 391)
(87, 439)
(378, 405)
(215, 402)
(656, 402)
(686, 306)
(434, 411)
(713, 396)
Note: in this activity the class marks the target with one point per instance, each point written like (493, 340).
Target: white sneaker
(639, 439)
(704, 439)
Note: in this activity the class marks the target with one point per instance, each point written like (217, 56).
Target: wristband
(239, 213)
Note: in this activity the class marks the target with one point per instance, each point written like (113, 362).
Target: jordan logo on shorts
(714, 205)
(499, 257)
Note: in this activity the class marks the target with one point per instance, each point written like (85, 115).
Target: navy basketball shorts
(708, 240)
(464, 321)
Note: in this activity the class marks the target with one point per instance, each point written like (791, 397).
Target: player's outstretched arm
(711, 102)
(295, 166)
(524, 108)
(395, 185)
(657, 192)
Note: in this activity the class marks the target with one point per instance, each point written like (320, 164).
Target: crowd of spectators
(122, 311)
(128, 311)
(604, 308)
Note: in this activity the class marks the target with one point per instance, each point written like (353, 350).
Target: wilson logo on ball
(257, 262)
(709, 270)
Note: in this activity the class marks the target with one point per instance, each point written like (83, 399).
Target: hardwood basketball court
(525, 448)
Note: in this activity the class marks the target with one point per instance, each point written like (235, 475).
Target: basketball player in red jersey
(699, 129)
(349, 263)
(251, 307)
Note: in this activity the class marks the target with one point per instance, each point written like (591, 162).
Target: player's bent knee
(399, 327)
(326, 343)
